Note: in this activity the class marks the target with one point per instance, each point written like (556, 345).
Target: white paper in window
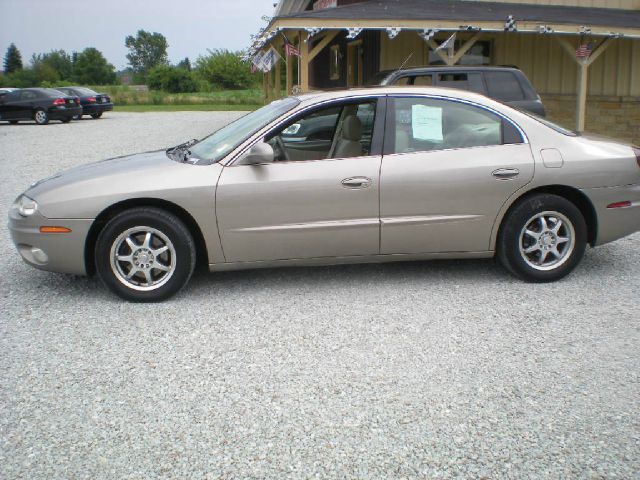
(426, 123)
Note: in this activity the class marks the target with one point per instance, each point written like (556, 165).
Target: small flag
(353, 32)
(393, 32)
(584, 50)
(510, 24)
(448, 43)
(311, 32)
(544, 29)
(289, 49)
(427, 34)
(584, 30)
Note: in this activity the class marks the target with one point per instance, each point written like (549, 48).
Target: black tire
(13, 122)
(528, 246)
(41, 117)
(96, 115)
(77, 117)
(66, 120)
(166, 230)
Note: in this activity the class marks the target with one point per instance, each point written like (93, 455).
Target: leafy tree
(57, 61)
(12, 59)
(23, 78)
(90, 67)
(146, 50)
(185, 64)
(171, 79)
(225, 69)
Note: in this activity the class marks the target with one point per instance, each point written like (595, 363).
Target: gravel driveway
(429, 370)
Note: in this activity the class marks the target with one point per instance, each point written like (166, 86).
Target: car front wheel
(96, 115)
(41, 117)
(543, 238)
(145, 254)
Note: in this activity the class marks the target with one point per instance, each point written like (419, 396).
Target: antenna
(404, 63)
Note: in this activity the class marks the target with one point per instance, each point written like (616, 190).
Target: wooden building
(343, 43)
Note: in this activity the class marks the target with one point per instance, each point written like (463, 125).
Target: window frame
(389, 131)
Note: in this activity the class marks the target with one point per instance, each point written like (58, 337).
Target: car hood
(84, 191)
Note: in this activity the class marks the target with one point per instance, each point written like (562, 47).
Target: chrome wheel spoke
(132, 272)
(556, 226)
(125, 258)
(543, 223)
(543, 256)
(147, 241)
(159, 251)
(532, 234)
(147, 275)
(161, 267)
(562, 240)
(532, 248)
(131, 243)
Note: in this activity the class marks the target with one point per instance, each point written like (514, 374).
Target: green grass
(178, 108)
(125, 95)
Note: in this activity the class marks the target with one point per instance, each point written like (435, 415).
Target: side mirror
(260, 153)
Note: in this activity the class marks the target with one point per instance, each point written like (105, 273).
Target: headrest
(352, 128)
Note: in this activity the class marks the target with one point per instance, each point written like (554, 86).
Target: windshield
(216, 146)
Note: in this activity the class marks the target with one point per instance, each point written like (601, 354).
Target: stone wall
(615, 117)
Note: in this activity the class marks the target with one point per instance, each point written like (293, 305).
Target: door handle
(356, 182)
(505, 173)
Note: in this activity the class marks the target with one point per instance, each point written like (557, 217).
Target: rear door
(447, 169)
(24, 107)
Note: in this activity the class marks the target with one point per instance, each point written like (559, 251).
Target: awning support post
(451, 58)
(304, 61)
(583, 76)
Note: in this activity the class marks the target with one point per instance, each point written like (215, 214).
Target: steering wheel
(280, 150)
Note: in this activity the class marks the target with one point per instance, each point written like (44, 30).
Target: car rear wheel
(13, 122)
(145, 255)
(96, 115)
(543, 238)
(77, 117)
(41, 117)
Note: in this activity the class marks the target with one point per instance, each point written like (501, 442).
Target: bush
(224, 69)
(171, 79)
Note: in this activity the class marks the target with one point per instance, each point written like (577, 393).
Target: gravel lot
(432, 370)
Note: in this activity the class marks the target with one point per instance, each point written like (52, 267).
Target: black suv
(505, 84)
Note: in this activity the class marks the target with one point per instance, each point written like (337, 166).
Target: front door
(319, 198)
(448, 169)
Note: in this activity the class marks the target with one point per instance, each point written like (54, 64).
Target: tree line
(148, 64)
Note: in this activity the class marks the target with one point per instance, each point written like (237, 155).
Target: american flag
(289, 49)
(584, 50)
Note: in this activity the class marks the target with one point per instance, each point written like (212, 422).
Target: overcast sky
(190, 26)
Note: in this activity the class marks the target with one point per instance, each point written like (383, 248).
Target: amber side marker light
(624, 204)
(54, 230)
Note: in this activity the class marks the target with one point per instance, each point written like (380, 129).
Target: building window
(335, 63)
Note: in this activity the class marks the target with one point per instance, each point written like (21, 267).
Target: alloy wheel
(547, 240)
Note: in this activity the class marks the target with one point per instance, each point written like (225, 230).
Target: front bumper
(93, 108)
(615, 223)
(55, 252)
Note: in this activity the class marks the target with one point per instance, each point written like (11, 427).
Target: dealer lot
(430, 369)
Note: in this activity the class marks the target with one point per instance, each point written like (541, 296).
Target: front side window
(336, 131)
(424, 124)
(219, 144)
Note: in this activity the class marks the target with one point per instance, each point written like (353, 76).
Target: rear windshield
(544, 121)
(83, 91)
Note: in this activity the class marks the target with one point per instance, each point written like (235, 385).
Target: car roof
(454, 93)
(471, 68)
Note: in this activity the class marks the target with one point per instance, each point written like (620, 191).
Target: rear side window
(424, 124)
(28, 95)
(461, 80)
(503, 86)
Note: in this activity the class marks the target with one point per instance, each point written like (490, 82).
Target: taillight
(78, 101)
(59, 101)
(637, 152)
(91, 99)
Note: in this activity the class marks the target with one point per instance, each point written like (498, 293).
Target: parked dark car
(505, 84)
(93, 103)
(38, 104)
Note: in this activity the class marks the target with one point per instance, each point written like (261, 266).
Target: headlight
(26, 207)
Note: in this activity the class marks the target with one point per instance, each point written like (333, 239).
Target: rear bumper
(93, 108)
(64, 113)
(615, 223)
(55, 252)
